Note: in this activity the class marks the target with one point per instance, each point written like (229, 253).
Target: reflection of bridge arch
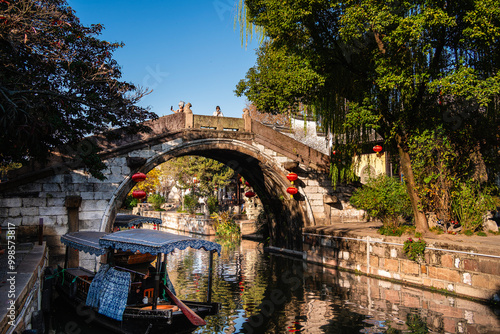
(61, 189)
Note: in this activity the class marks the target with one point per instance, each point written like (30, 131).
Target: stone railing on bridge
(216, 123)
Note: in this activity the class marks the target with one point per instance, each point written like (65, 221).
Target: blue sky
(184, 50)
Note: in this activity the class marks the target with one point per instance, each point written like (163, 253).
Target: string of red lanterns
(292, 190)
(139, 177)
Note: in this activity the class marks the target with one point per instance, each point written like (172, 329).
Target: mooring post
(40, 231)
(210, 269)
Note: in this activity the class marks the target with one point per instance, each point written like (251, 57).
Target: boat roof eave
(142, 240)
(85, 241)
(154, 242)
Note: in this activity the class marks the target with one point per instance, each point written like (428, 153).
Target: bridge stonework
(69, 199)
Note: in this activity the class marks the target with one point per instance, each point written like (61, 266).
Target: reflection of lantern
(139, 194)
(292, 191)
(139, 177)
(249, 194)
(292, 177)
(247, 183)
(377, 148)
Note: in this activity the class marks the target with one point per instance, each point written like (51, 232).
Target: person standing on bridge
(217, 112)
(181, 107)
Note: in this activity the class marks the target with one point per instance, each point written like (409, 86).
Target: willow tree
(58, 84)
(396, 67)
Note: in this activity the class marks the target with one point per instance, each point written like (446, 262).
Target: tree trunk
(420, 219)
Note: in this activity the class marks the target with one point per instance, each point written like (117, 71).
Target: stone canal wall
(458, 269)
(402, 304)
(192, 224)
(182, 222)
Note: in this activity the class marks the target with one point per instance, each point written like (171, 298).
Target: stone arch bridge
(68, 198)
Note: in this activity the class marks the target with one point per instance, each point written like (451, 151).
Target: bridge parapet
(218, 123)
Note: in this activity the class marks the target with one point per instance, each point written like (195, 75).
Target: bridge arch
(267, 177)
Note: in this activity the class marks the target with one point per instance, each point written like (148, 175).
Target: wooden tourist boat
(106, 294)
(125, 222)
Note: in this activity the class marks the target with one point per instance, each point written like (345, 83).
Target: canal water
(267, 293)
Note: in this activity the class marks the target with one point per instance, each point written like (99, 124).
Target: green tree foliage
(286, 78)
(58, 84)
(201, 174)
(441, 165)
(395, 67)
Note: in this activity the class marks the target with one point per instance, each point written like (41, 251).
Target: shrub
(414, 249)
(391, 231)
(190, 203)
(213, 204)
(130, 202)
(156, 200)
(383, 198)
(469, 204)
(225, 227)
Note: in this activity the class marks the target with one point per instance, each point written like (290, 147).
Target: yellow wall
(374, 162)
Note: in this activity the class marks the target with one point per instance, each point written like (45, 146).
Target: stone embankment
(21, 288)
(456, 264)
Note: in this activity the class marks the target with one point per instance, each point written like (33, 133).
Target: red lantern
(139, 194)
(292, 191)
(249, 194)
(292, 177)
(139, 177)
(377, 148)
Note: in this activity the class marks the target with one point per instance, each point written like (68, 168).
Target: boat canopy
(154, 242)
(123, 220)
(85, 241)
(142, 240)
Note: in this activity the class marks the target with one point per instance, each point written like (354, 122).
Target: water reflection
(263, 293)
